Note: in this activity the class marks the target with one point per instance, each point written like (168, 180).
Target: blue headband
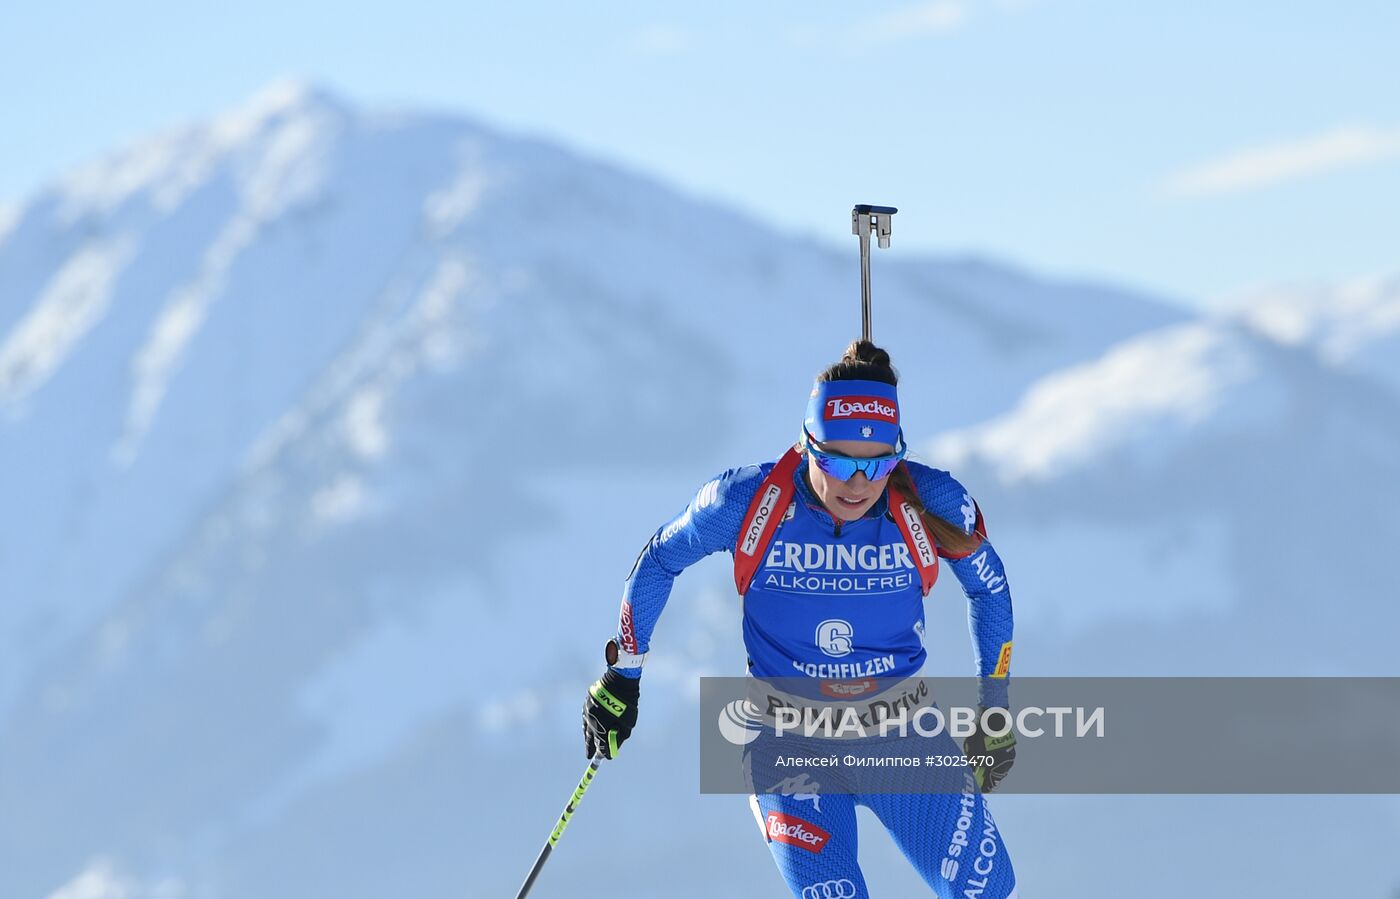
(853, 410)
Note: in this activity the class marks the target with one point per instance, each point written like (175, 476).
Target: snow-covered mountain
(331, 435)
(178, 315)
(1355, 326)
(1202, 480)
(1211, 498)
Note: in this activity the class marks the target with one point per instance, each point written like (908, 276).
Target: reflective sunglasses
(843, 468)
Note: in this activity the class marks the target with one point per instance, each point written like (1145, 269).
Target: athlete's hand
(610, 712)
(1002, 749)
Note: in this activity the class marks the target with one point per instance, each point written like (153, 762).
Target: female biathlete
(833, 560)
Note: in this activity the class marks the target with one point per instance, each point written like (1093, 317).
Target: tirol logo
(760, 520)
(846, 689)
(830, 889)
(918, 534)
(874, 407)
(793, 831)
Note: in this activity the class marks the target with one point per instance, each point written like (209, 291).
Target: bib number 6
(834, 637)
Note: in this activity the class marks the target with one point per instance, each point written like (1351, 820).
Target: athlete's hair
(864, 361)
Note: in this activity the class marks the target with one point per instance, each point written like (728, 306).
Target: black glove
(610, 711)
(1002, 749)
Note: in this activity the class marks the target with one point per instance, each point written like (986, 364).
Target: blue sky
(1202, 150)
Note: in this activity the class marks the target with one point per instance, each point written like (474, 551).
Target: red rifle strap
(922, 547)
(763, 517)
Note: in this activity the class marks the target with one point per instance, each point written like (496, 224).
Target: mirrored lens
(839, 467)
(843, 468)
(882, 469)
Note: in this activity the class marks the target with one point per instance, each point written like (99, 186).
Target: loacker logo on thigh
(796, 832)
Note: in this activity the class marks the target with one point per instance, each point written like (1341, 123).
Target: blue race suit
(844, 600)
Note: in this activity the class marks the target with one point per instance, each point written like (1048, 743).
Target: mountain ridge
(383, 404)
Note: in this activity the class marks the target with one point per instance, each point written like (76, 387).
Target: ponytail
(862, 361)
(954, 542)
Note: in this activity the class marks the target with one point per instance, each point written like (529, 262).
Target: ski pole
(574, 800)
(865, 219)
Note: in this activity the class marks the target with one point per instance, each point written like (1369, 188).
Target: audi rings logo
(739, 722)
(830, 889)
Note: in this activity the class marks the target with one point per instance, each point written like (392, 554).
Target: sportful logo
(976, 851)
(918, 534)
(760, 520)
(707, 494)
(830, 889)
(704, 498)
(794, 831)
(861, 407)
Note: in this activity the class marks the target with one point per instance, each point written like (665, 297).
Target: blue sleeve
(708, 524)
(983, 580)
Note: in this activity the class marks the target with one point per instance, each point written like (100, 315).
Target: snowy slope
(295, 393)
(175, 312)
(1218, 497)
(1202, 480)
(339, 431)
(1355, 326)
